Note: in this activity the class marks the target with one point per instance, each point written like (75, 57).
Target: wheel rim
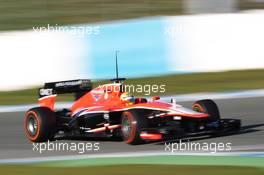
(32, 125)
(126, 127)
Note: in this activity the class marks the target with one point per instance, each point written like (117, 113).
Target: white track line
(126, 154)
(179, 98)
(218, 95)
(244, 151)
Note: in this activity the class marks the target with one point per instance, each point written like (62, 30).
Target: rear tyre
(40, 124)
(133, 121)
(209, 107)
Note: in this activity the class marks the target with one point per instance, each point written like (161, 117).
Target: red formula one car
(107, 111)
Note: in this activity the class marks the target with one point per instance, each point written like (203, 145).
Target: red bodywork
(106, 99)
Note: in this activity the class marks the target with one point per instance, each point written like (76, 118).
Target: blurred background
(190, 45)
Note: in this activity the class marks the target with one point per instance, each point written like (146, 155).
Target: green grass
(227, 165)
(248, 4)
(132, 170)
(18, 15)
(207, 82)
(147, 165)
(175, 84)
(15, 15)
(27, 96)
(160, 160)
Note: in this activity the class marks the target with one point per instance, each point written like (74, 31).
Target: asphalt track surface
(14, 144)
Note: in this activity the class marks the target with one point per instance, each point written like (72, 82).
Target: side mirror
(155, 98)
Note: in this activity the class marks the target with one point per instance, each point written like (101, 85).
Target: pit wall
(147, 46)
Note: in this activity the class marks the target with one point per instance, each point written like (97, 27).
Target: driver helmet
(127, 97)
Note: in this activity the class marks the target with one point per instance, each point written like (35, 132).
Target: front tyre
(209, 107)
(132, 124)
(40, 124)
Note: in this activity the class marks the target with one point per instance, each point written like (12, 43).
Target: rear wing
(79, 87)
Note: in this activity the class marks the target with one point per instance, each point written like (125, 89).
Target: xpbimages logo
(212, 147)
(144, 89)
(80, 147)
